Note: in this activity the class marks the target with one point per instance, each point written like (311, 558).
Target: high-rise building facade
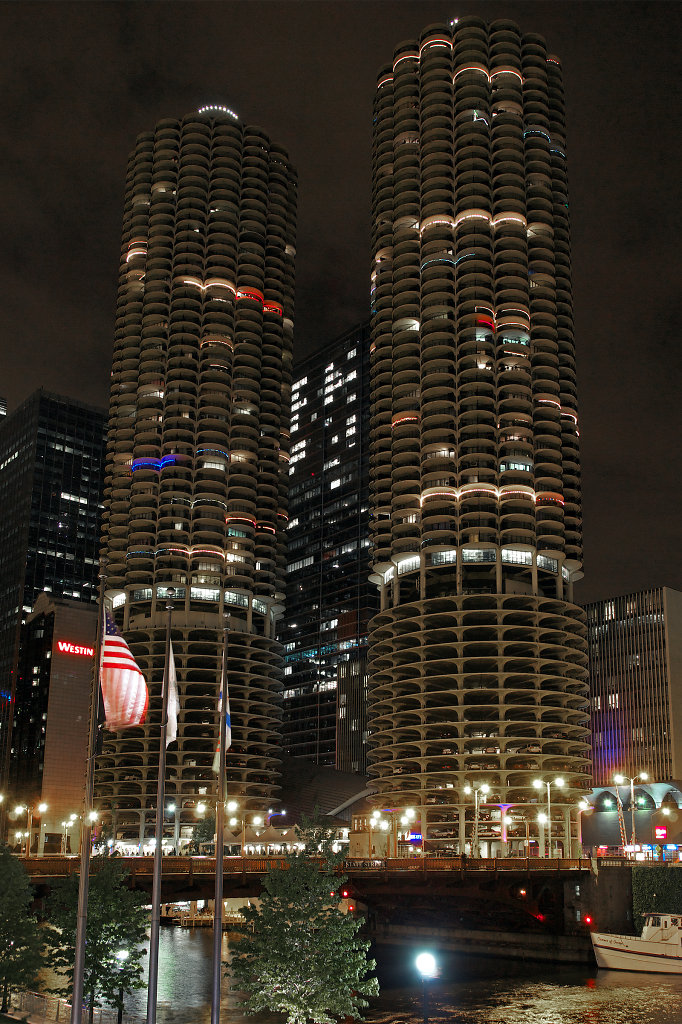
(329, 599)
(52, 717)
(198, 454)
(478, 656)
(51, 478)
(635, 663)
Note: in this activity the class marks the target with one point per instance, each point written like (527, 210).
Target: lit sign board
(660, 832)
(66, 647)
(415, 837)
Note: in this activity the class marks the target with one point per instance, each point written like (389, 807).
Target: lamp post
(406, 819)
(542, 820)
(539, 783)
(583, 806)
(484, 789)
(121, 955)
(40, 809)
(619, 780)
(233, 821)
(426, 965)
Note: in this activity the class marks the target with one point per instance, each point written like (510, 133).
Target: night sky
(80, 81)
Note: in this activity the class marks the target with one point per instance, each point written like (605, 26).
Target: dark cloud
(80, 80)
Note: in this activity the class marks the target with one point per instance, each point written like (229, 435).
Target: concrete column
(141, 831)
(498, 571)
(462, 813)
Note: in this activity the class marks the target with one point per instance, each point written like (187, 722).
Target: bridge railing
(468, 863)
(182, 867)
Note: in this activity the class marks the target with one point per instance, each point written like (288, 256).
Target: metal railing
(180, 867)
(52, 1008)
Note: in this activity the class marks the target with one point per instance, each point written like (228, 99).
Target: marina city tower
(198, 449)
(478, 655)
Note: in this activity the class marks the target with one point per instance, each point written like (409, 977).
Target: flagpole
(160, 809)
(86, 824)
(220, 831)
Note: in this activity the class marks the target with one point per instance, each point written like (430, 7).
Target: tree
(300, 955)
(20, 940)
(117, 921)
(655, 889)
(203, 832)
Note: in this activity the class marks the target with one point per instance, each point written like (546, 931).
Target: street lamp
(121, 955)
(406, 819)
(583, 806)
(542, 820)
(39, 810)
(539, 783)
(619, 780)
(484, 789)
(426, 965)
(257, 820)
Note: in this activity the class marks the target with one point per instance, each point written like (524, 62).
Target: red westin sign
(66, 647)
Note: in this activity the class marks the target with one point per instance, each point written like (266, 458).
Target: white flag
(173, 700)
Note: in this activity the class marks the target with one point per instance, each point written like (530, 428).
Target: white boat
(658, 950)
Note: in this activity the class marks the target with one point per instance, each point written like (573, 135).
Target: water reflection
(471, 990)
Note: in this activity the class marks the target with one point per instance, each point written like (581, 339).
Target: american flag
(124, 689)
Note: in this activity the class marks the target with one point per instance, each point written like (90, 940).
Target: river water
(471, 990)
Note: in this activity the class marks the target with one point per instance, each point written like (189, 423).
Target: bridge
(483, 904)
(194, 872)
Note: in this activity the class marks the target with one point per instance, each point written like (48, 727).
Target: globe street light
(39, 810)
(426, 965)
(619, 780)
(539, 783)
(484, 789)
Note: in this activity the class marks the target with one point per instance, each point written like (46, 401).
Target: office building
(51, 720)
(329, 599)
(635, 664)
(198, 456)
(478, 661)
(51, 477)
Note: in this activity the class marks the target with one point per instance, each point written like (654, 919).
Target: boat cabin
(662, 927)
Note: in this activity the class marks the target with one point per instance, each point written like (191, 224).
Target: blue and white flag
(228, 729)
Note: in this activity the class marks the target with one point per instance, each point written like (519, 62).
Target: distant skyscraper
(52, 715)
(51, 475)
(478, 657)
(635, 648)
(329, 599)
(198, 455)
(3, 407)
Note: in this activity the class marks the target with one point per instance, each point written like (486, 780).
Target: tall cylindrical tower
(197, 470)
(478, 656)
